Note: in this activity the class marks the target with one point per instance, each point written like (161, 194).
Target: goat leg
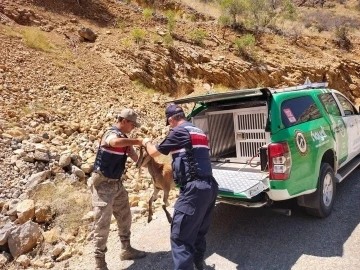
(169, 218)
(150, 214)
(150, 210)
(152, 199)
(166, 203)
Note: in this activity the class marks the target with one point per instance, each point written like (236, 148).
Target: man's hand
(145, 141)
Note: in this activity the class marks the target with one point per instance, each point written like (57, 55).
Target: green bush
(148, 12)
(233, 7)
(253, 13)
(245, 44)
(289, 12)
(198, 36)
(170, 15)
(224, 21)
(138, 35)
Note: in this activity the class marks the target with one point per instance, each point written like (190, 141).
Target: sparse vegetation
(155, 38)
(170, 15)
(245, 45)
(168, 40)
(127, 43)
(120, 23)
(295, 33)
(341, 37)
(224, 21)
(138, 35)
(192, 17)
(232, 8)
(258, 14)
(68, 203)
(10, 32)
(35, 39)
(290, 12)
(148, 12)
(322, 20)
(219, 88)
(253, 14)
(198, 36)
(140, 86)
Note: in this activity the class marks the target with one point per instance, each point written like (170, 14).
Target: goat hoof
(149, 219)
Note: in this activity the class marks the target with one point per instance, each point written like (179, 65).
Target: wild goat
(162, 179)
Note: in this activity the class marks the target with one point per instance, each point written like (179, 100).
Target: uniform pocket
(102, 194)
(98, 200)
(183, 215)
(185, 207)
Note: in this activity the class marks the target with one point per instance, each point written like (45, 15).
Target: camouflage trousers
(109, 198)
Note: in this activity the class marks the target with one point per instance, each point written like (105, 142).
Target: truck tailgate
(242, 183)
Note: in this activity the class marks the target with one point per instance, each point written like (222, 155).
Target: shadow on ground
(260, 239)
(93, 10)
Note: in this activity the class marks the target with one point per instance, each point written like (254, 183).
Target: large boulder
(24, 238)
(87, 34)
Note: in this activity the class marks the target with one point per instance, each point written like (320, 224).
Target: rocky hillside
(61, 85)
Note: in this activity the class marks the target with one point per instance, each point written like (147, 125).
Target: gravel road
(255, 238)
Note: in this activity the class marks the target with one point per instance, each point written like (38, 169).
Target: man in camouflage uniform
(109, 196)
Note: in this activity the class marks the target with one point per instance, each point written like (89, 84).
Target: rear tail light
(279, 161)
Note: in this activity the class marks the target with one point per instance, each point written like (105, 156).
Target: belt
(107, 178)
(112, 180)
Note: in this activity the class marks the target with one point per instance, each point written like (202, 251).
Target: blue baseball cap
(171, 111)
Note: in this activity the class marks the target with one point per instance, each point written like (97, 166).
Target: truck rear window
(299, 110)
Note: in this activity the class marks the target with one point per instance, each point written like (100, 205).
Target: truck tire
(325, 194)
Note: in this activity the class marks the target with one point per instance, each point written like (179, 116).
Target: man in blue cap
(192, 172)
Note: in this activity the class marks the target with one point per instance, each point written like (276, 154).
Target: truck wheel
(325, 193)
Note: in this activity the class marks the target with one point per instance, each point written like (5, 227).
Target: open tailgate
(240, 183)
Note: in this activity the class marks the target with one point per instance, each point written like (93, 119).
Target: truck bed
(238, 181)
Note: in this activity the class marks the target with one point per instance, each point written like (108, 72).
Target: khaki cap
(130, 115)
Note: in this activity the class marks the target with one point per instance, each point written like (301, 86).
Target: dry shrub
(325, 21)
(341, 37)
(9, 31)
(69, 203)
(35, 39)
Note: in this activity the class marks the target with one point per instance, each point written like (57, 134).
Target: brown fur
(162, 178)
